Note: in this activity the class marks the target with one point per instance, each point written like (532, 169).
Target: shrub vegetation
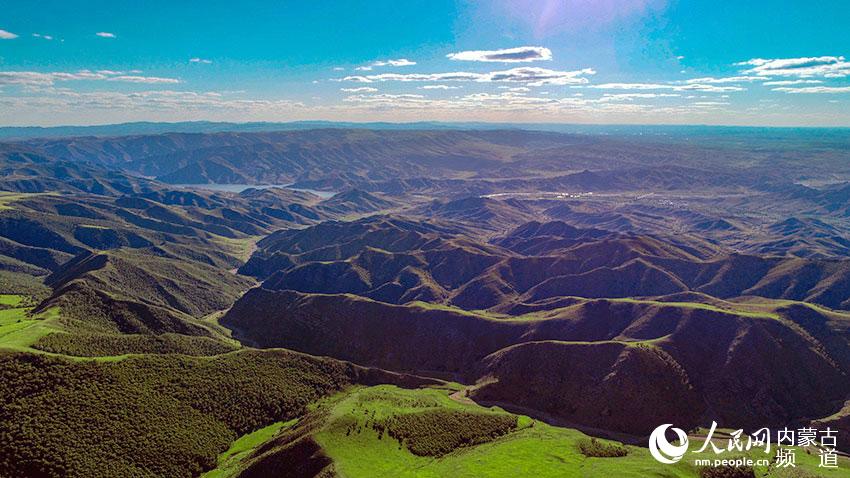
(96, 345)
(591, 447)
(150, 416)
(440, 431)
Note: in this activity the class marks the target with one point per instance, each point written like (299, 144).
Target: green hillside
(349, 431)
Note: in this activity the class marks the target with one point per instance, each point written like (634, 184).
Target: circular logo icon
(664, 451)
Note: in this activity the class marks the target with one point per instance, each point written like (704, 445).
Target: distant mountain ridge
(156, 127)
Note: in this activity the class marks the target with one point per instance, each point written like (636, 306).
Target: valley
(460, 302)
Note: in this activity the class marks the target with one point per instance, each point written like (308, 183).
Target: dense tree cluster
(22, 284)
(440, 431)
(742, 472)
(151, 416)
(591, 447)
(95, 345)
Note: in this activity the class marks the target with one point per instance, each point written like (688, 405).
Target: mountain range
(418, 297)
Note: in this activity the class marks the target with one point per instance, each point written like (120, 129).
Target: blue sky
(759, 62)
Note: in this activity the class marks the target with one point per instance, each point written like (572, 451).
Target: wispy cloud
(528, 75)
(152, 101)
(792, 82)
(630, 86)
(43, 37)
(399, 62)
(200, 60)
(703, 87)
(826, 66)
(33, 78)
(710, 103)
(507, 55)
(150, 80)
(441, 87)
(362, 89)
(708, 88)
(106, 35)
(728, 79)
(4, 35)
(379, 63)
(635, 96)
(815, 90)
(518, 102)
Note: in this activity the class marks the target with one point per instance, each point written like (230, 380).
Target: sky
(754, 62)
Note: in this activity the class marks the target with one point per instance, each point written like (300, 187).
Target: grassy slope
(761, 311)
(533, 449)
(18, 329)
(228, 462)
(7, 198)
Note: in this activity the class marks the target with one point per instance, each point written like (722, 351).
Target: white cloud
(441, 87)
(106, 35)
(144, 79)
(338, 68)
(815, 89)
(792, 82)
(456, 76)
(44, 37)
(630, 86)
(399, 62)
(529, 75)
(826, 66)
(4, 35)
(155, 100)
(379, 63)
(728, 79)
(507, 55)
(708, 88)
(200, 60)
(518, 102)
(362, 89)
(633, 96)
(32, 78)
(38, 79)
(541, 76)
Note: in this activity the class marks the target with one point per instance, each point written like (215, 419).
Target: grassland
(241, 248)
(351, 435)
(734, 309)
(7, 198)
(19, 329)
(11, 300)
(228, 462)
(758, 311)
(533, 449)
